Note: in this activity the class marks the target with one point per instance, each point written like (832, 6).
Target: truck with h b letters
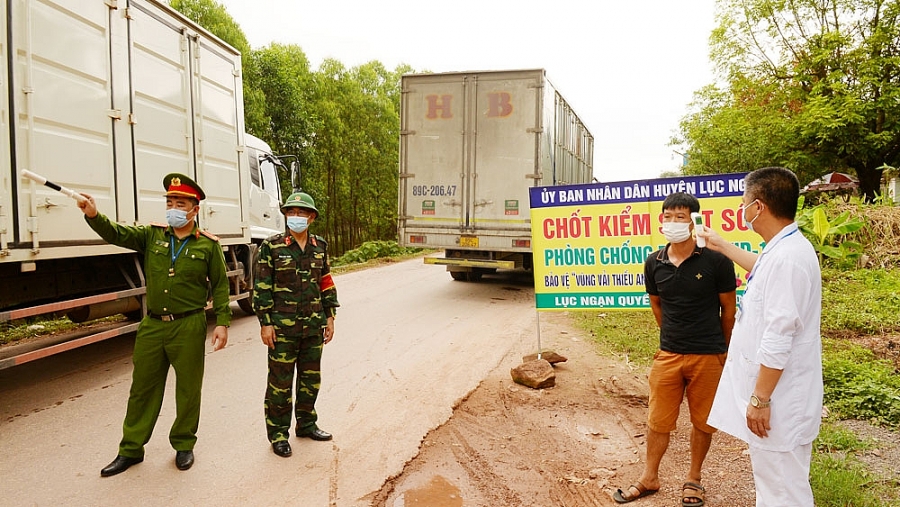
(471, 145)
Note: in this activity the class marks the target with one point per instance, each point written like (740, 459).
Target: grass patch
(833, 437)
(859, 386)
(632, 333)
(862, 301)
(840, 480)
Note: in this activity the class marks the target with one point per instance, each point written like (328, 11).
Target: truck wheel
(246, 304)
(466, 276)
(248, 257)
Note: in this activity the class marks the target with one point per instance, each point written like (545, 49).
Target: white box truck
(107, 97)
(471, 145)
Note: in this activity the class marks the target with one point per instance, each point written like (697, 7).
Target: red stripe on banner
(326, 283)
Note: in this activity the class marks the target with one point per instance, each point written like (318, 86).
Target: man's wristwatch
(758, 403)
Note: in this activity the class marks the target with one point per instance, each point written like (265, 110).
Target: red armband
(326, 283)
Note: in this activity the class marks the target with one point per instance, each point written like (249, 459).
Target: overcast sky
(627, 67)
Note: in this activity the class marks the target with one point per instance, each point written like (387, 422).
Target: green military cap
(179, 185)
(300, 200)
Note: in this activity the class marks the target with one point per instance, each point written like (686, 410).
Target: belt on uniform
(169, 317)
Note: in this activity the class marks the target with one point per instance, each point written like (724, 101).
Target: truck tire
(466, 276)
(246, 304)
(248, 256)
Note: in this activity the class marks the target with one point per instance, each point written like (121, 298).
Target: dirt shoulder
(507, 445)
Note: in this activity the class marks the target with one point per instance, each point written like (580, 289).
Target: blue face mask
(177, 218)
(297, 224)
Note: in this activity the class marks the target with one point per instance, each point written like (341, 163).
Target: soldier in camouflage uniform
(295, 301)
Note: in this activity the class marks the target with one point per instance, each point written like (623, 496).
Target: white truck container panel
(62, 96)
(108, 104)
(472, 144)
(193, 128)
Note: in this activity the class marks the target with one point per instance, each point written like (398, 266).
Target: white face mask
(177, 218)
(297, 224)
(676, 232)
(743, 214)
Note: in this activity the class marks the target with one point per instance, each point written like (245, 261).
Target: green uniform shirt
(200, 260)
(294, 285)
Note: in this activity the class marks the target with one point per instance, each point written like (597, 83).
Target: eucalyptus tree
(357, 149)
(287, 83)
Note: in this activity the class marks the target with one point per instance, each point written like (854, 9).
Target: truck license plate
(469, 241)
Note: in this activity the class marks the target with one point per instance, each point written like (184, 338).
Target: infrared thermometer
(697, 218)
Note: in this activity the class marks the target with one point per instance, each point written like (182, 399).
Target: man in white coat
(770, 393)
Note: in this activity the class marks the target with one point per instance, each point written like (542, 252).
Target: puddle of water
(437, 493)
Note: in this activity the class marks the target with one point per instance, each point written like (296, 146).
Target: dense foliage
(829, 237)
(811, 85)
(343, 125)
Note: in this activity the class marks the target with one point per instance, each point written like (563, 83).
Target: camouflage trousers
(303, 353)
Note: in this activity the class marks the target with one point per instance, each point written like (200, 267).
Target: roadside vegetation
(44, 325)
(861, 350)
(373, 252)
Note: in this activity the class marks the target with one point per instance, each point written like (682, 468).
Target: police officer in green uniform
(295, 300)
(178, 261)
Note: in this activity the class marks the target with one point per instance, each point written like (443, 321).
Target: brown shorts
(673, 376)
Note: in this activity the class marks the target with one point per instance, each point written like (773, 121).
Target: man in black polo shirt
(692, 294)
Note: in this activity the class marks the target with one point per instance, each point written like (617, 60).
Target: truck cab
(265, 191)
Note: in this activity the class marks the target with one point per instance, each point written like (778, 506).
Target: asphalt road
(410, 343)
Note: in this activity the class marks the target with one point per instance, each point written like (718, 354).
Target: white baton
(47, 183)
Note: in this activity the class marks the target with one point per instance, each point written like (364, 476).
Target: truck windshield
(270, 178)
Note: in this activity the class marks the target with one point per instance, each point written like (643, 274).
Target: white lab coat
(777, 326)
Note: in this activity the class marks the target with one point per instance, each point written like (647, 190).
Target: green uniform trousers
(181, 344)
(305, 355)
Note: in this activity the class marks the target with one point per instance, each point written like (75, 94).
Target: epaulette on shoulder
(275, 238)
(157, 224)
(320, 239)
(210, 235)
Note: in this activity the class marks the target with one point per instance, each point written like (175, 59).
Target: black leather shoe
(119, 465)
(282, 448)
(316, 434)
(184, 459)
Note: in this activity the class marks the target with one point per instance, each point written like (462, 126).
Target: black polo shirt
(689, 296)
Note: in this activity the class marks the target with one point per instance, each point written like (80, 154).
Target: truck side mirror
(295, 176)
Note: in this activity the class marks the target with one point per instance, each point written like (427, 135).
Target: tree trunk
(869, 182)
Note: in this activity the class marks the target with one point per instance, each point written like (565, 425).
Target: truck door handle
(266, 215)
